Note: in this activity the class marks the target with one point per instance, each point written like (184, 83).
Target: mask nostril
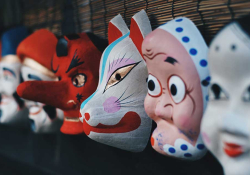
(87, 116)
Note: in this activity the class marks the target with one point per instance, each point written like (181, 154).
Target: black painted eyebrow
(171, 60)
(74, 62)
(9, 70)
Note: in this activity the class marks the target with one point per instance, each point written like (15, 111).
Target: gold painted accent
(119, 75)
(10, 59)
(72, 119)
(37, 66)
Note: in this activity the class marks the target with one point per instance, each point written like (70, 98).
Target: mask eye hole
(177, 88)
(79, 80)
(217, 93)
(118, 75)
(154, 86)
(246, 95)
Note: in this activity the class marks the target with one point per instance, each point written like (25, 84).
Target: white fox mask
(114, 114)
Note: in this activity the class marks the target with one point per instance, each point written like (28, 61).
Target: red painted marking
(131, 121)
(136, 35)
(87, 116)
(7, 73)
(35, 113)
(233, 150)
(152, 141)
(113, 33)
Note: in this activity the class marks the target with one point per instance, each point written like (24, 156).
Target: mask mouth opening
(129, 122)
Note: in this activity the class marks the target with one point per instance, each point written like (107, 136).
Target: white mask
(10, 77)
(226, 123)
(115, 114)
(40, 121)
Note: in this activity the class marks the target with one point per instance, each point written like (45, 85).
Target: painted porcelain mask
(114, 114)
(10, 64)
(43, 118)
(10, 67)
(175, 55)
(10, 78)
(75, 62)
(226, 123)
(36, 60)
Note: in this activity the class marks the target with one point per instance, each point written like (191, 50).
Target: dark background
(22, 152)
(74, 16)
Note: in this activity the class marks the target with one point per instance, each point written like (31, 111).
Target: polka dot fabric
(190, 37)
(184, 150)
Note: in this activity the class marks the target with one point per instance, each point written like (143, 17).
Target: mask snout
(47, 92)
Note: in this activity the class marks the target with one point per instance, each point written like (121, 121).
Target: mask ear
(117, 28)
(139, 28)
(62, 47)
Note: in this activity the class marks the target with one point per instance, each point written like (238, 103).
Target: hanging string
(105, 19)
(146, 6)
(125, 10)
(91, 15)
(77, 17)
(198, 10)
(230, 9)
(173, 9)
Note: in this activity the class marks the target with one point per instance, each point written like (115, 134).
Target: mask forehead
(229, 55)
(125, 53)
(107, 56)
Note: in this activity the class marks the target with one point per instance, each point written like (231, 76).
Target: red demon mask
(76, 64)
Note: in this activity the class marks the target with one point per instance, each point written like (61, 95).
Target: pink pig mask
(175, 55)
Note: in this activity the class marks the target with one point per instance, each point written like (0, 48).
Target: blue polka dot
(207, 98)
(185, 39)
(184, 147)
(188, 155)
(203, 63)
(179, 29)
(205, 83)
(208, 78)
(193, 51)
(178, 20)
(172, 150)
(200, 146)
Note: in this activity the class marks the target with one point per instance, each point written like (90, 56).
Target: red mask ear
(139, 28)
(117, 28)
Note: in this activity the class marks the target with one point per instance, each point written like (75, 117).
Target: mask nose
(164, 108)
(234, 123)
(48, 92)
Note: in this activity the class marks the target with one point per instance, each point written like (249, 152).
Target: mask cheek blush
(206, 138)
(112, 105)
